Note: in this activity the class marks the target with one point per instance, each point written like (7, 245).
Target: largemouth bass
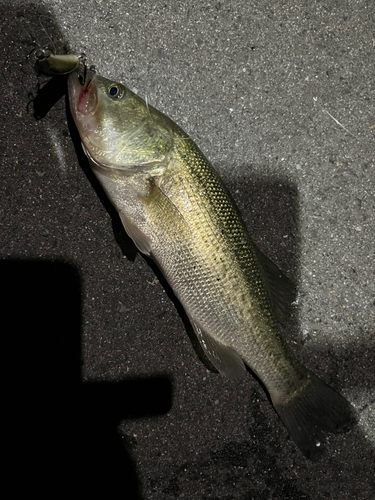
(174, 206)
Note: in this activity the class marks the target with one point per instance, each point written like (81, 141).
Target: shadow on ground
(62, 433)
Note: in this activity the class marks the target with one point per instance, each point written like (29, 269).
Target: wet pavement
(106, 396)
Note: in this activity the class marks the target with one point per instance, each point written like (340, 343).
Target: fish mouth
(83, 100)
(87, 99)
(83, 97)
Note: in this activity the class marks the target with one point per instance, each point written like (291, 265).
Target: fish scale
(216, 292)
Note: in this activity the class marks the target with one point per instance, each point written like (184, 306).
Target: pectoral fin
(141, 241)
(224, 358)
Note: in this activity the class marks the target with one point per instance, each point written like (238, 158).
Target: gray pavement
(280, 97)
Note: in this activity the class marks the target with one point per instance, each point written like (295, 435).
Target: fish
(176, 209)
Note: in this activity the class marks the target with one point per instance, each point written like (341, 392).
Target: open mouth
(84, 93)
(87, 98)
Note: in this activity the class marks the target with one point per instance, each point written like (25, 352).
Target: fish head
(119, 131)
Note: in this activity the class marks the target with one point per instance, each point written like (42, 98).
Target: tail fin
(312, 411)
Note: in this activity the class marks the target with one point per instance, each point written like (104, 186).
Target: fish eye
(116, 90)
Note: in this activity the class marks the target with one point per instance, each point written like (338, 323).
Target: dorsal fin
(281, 290)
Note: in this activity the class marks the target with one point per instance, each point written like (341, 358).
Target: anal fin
(225, 359)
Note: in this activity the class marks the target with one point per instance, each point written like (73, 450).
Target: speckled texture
(252, 83)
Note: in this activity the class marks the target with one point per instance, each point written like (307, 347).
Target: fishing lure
(51, 64)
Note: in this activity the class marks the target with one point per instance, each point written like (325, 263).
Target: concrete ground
(105, 395)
